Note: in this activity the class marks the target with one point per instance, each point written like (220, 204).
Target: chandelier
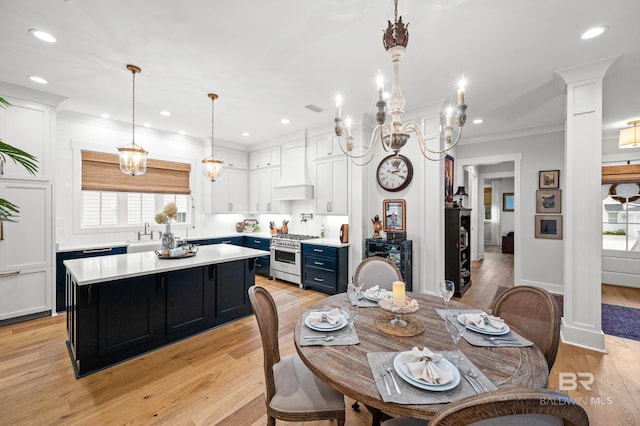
(133, 158)
(630, 137)
(212, 166)
(394, 136)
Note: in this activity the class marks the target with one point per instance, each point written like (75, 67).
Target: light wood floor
(216, 378)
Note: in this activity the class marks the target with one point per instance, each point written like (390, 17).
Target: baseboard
(551, 288)
(24, 318)
(588, 339)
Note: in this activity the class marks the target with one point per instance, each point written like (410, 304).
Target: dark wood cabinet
(399, 252)
(457, 248)
(325, 268)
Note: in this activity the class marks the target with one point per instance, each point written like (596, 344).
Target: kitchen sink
(139, 246)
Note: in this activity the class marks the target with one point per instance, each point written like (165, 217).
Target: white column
(582, 217)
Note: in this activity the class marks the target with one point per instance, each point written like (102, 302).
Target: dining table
(347, 367)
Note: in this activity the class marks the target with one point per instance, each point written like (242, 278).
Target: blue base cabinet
(324, 268)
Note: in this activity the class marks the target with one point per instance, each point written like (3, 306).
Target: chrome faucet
(146, 225)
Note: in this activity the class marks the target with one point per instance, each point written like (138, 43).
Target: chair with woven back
(293, 392)
(534, 313)
(378, 271)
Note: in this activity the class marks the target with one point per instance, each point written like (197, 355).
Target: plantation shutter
(101, 172)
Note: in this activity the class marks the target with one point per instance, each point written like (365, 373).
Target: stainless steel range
(286, 257)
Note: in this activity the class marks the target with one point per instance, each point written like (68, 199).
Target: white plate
(490, 330)
(385, 294)
(404, 374)
(325, 326)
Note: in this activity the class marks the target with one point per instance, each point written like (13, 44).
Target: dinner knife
(386, 384)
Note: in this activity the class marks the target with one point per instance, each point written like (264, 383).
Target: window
(103, 209)
(487, 203)
(621, 207)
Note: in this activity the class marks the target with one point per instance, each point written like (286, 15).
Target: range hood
(294, 181)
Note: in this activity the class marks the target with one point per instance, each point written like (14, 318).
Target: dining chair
(378, 271)
(293, 392)
(534, 313)
(504, 407)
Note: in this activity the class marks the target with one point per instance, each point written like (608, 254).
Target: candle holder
(397, 324)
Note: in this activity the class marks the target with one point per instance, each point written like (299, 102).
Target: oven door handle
(285, 249)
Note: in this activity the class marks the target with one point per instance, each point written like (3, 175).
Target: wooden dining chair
(504, 407)
(534, 313)
(293, 392)
(378, 271)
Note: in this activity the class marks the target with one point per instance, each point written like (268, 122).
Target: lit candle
(448, 116)
(398, 293)
(380, 86)
(461, 85)
(348, 123)
(339, 106)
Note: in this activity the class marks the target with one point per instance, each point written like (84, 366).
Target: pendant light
(212, 166)
(133, 158)
(630, 137)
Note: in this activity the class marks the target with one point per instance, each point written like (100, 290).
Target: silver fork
(390, 371)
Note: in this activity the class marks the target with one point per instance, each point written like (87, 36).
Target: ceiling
(269, 59)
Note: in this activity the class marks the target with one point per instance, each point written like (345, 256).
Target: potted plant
(8, 210)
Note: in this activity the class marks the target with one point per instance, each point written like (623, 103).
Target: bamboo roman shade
(629, 173)
(101, 172)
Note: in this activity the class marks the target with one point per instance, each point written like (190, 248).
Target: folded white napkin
(376, 293)
(332, 317)
(477, 320)
(422, 366)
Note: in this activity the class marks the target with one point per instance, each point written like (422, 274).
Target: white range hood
(294, 181)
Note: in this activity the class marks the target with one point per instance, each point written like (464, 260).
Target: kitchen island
(124, 305)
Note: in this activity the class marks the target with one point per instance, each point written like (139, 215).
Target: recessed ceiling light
(285, 121)
(245, 134)
(478, 121)
(105, 116)
(594, 32)
(42, 35)
(182, 132)
(147, 124)
(37, 79)
(165, 113)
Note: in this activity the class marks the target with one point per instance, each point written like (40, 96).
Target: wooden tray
(413, 327)
(162, 255)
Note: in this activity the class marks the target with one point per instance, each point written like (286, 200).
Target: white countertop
(94, 270)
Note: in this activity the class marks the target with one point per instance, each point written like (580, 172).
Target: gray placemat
(363, 302)
(342, 337)
(511, 339)
(378, 361)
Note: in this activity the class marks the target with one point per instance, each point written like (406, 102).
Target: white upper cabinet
(269, 157)
(327, 146)
(331, 186)
(229, 192)
(232, 159)
(261, 183)
(27, 126)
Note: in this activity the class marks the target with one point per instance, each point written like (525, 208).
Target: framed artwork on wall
(508, 202)
(394, 215)
(548, 201)
(549, 226)
(448, 178)
(549, 179)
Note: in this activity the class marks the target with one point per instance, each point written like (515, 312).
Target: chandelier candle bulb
(398, 293)
(461, 85)
(338, 106)
(448, 116)
(380, 87)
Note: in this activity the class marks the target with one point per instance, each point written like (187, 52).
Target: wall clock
(394, 173)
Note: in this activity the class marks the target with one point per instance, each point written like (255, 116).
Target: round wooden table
(346, 367)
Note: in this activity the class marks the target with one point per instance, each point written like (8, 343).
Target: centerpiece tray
(187, 253)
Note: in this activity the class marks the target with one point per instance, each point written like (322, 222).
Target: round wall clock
(394, 172)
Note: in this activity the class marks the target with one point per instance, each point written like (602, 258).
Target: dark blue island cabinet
(117, 320)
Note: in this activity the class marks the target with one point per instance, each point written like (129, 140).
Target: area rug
(619, 321)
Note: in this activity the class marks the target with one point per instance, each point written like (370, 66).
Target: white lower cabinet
(26, 251)
(229, 192)
(331, 186)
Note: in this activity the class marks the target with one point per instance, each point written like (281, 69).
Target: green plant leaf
(19, 156)
(8, 211)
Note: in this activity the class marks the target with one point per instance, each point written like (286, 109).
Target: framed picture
(549, 226)
(548, 201)
(394, 215)
(448, 177)
(507, 202)
(549, 179)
